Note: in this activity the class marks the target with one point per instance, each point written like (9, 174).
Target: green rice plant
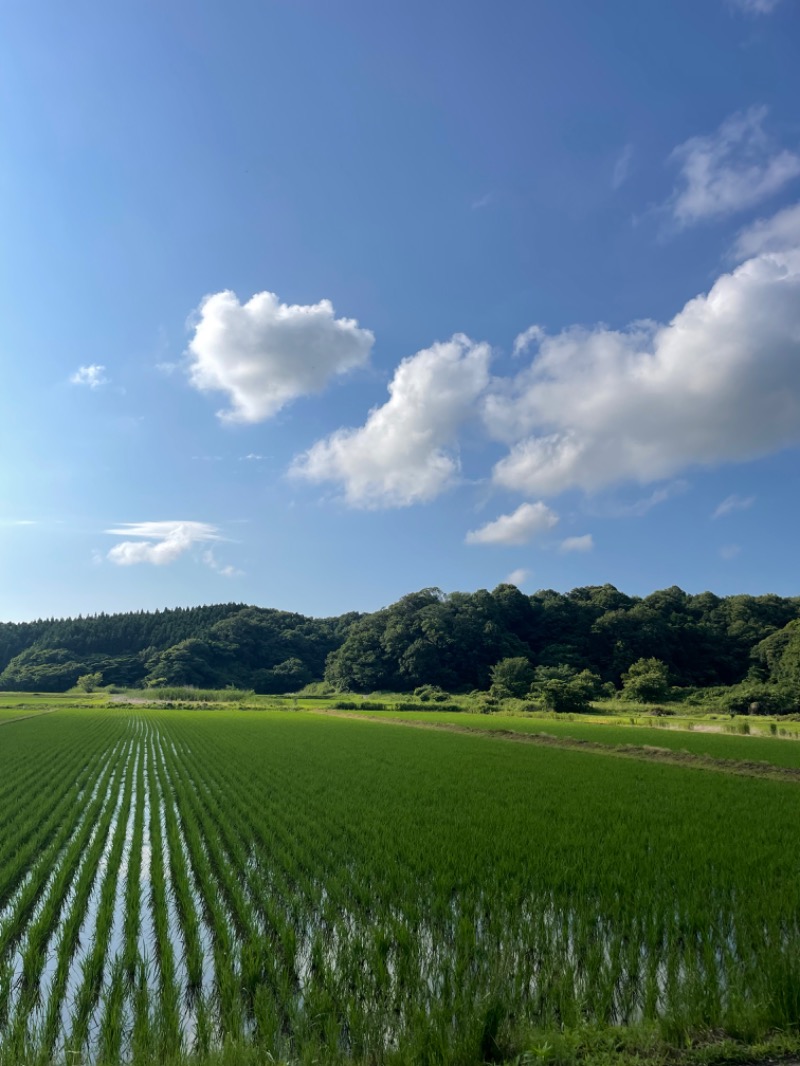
(95, 963)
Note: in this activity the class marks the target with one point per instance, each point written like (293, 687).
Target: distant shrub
(178, 694)
(431, 694)
(315, 690)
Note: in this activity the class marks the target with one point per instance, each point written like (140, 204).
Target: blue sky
(310, 305)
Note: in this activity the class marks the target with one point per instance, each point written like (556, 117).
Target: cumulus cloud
(93, 376)
(158, 543)
(263, 354)
(776, 234)
(518, 577)
(733, 503)
(729, 170)
(404, 453)
(719, 383)
(528, 521)
(577, 544)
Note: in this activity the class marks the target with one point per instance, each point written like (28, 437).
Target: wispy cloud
(523, 341)
(482, 201)
(92, 376)
(158, 543)
(577, 544)
(733, 503)
(729, 551)
(776, 234)
(622, 167)
(224, 571)
(729, 170)
(528, 521)
(756, 7)
(639, 508)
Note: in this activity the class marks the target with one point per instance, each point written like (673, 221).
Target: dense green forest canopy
(428, 637)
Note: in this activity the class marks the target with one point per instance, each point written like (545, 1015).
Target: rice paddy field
(676, 737)
(213, 884)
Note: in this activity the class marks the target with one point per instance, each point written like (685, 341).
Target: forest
(451, 641)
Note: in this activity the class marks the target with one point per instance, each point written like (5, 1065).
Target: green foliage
(754, 698)
(190, 694)
(428, 638)
(431, 694)
(646, 681)
(89, 682)
(511, 677)
(565, 697)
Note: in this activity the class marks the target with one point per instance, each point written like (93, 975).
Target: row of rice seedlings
(233, 821)
(601, 983)
(26, 768)
(196, 933)
(94, 965)
(15, 931)
(76, 926)
(167, 1025)
(197, 1022)
(113, 1017)
(38, 821)
(263, 978)
(215, 901)
(265, 961)
(142, 972)
(36, 960)
(35, 885)
(98, 816)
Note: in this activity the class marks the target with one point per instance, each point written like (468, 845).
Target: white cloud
(733, 503)
(639, 508)
(776, 234)
(224, 571)
(720, 383)
(532, 335)
(729, 170)
(482, 201)
(263, 354)
(577, 544)
(403, 454)
(527, 522)
(93, 376)
(251, 457)
(158, 543)
(622, 167)
(518, 577)
(729, 551)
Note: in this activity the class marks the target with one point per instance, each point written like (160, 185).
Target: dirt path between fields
(25, 717)
(643, 752)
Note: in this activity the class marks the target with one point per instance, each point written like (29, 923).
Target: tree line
(451, 641)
